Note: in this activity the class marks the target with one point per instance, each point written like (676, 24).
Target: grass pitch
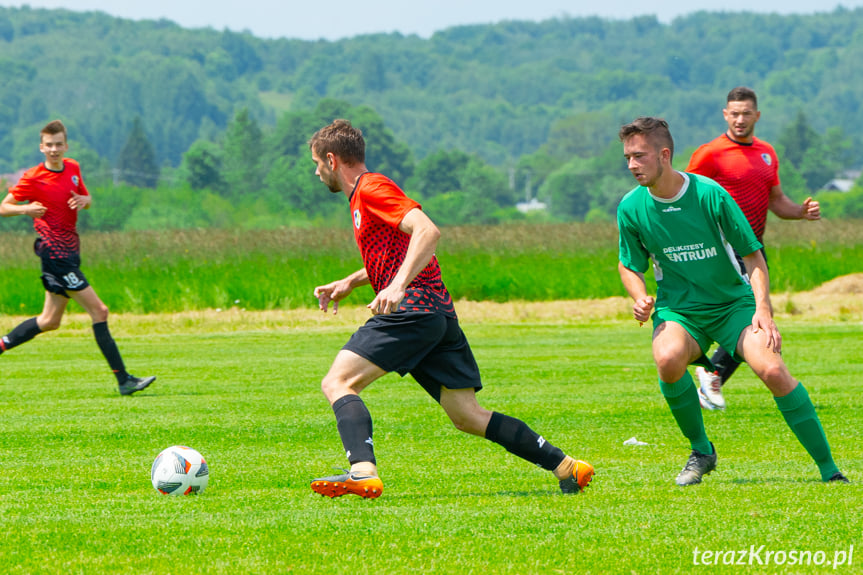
(75, 494)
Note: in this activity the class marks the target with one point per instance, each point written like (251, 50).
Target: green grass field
(75, 494)
(263, 270)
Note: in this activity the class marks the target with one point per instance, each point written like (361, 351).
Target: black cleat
(698, 465)
(133, 384)
(838, 478)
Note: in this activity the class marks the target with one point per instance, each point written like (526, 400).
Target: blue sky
(333, 19)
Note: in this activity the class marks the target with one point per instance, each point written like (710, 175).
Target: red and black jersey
(378, 206)
(746, 171)
(58, 227)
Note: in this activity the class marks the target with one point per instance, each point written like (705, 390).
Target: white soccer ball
(180, 470)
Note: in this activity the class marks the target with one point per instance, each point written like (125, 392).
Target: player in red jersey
(53, 193)
(749, 170)
(413, 329)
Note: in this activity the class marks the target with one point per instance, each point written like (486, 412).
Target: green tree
(798, 137)
(243, 55)
(438, 173)
(583, 185)
(7, 29)
(113, 206)
(581, 135)
(202, 166)
(384, 152)
(137, 164)
(816, 158)
(243, 149)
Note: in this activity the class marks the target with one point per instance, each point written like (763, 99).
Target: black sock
(110, 351)
(724, 363)
(355, 428)
(519, 439)
(23, 332)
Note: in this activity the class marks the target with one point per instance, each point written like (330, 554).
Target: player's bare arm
(10, 207)
(762, 319)
(785, 208)
(424, 237)
(637, 290)
(338, 290)
(80, 202)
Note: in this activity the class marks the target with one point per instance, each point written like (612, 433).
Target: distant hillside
(496, 90)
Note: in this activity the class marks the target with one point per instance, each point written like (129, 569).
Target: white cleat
(710, 390)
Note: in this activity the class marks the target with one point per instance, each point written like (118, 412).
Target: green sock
(799, 413)
(683, 401)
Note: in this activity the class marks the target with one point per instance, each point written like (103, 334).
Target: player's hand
(79, 202)
(35, 210)
(811, 209)
(387, 300)
(332, 292)
(762, 321)
(642, 308)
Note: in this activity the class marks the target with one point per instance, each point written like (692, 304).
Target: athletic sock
(724, 363)
(23, 332)
(565, 469)
(355, 428)
(682, 398)
(799, 413)
(110, 351)
(519, 439)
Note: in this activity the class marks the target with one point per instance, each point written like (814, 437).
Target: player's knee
(774, 373)
(468, 423)
(461, 424)
(100, 313)
(49, 323)
(669, 364)
(333, 387)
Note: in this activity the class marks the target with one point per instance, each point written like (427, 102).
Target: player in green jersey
(689, 227)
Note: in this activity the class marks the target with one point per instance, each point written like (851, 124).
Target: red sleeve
(701, 162)
(386, 201)
(23, 191)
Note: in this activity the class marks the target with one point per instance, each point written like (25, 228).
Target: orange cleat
(582, 474)
(366, 486)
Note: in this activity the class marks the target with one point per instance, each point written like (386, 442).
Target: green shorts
(722, 324)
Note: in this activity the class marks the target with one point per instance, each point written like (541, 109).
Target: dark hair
(742, 94)
(342, 140)
(52, 128)
(655, 129)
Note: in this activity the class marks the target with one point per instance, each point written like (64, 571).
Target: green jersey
(691, 239)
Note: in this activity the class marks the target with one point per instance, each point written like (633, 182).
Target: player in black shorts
(414, 328)
(53, 193)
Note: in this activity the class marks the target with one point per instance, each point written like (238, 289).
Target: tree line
(190, 128)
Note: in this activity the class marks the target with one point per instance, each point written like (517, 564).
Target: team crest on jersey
(75, 180)
(767, 159)
(357, 219)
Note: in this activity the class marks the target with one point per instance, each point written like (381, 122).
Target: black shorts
(62, 275)
(429, 346)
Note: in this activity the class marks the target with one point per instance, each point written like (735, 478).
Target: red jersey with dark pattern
(378, 206)
(58, 227)
(746, 171)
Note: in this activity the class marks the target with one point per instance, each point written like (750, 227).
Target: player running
(53, 193)
(413, 329)
(748, 169)
(688, 226)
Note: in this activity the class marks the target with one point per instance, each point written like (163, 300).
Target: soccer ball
(179, 470)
